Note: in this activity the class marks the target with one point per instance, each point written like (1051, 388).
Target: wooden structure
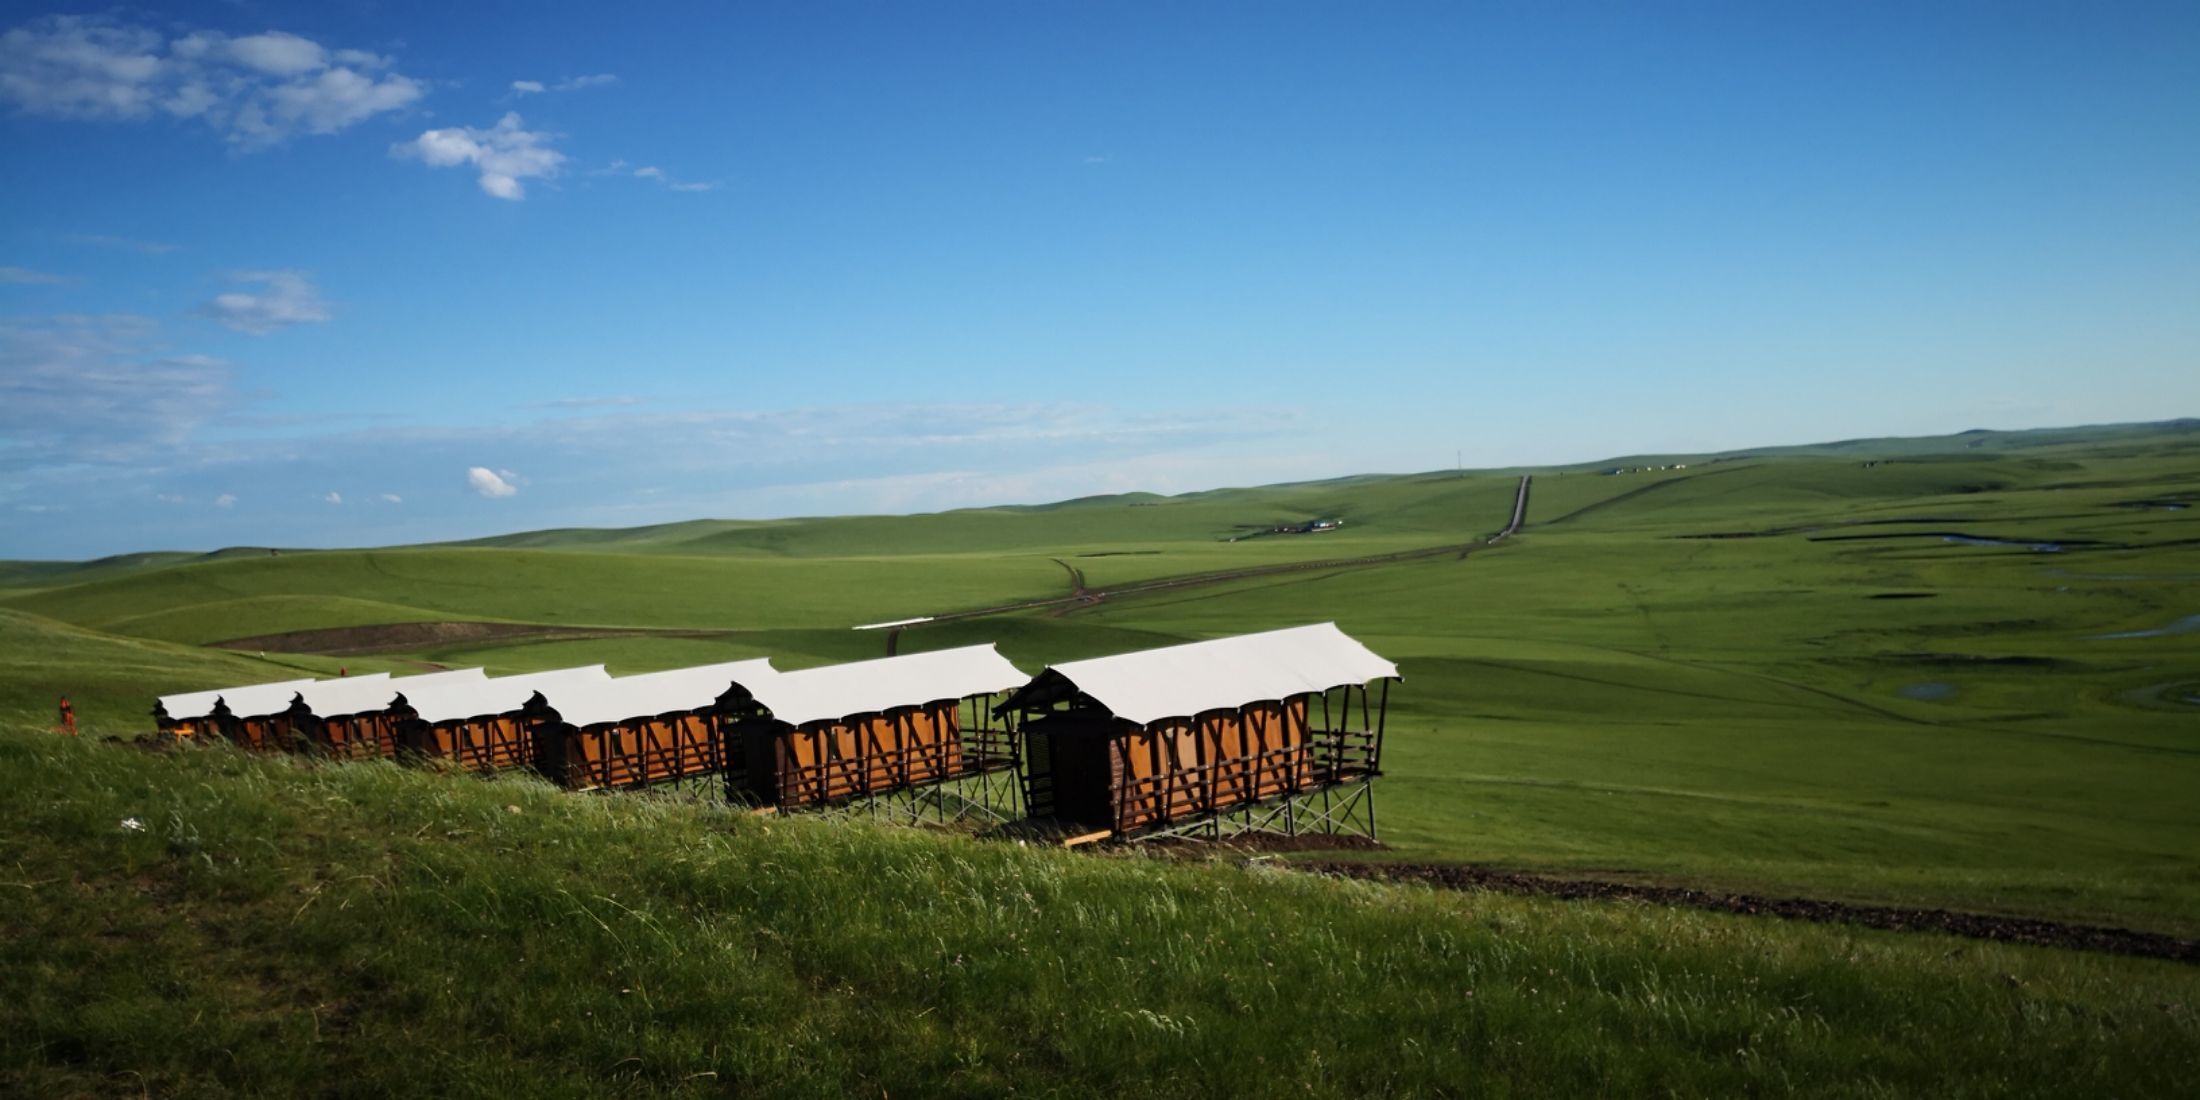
(892, 733)
(481, 726)
(260, 718)
(636, 731)
(351, 718)
(1277, 731)
(191, 713)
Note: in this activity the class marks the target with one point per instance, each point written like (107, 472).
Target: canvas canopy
(367, 694)
(593, 703)
(1224, 674)
(875, 687)
(500, 695)
(260, 702)
(199, 704)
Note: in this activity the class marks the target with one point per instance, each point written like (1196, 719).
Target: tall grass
(279, 928)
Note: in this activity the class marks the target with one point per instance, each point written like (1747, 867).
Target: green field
(1771, 672)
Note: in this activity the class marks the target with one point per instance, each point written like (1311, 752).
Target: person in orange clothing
(68, 717)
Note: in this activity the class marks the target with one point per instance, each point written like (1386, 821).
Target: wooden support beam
(1087, 838)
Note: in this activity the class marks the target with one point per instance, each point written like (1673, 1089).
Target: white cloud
(333, 497)
(23, 276)
(289, 298)
(569, 84)
(392, 498)
(226, 500)
(168, 498)
(277, 53)
(491, 483)
(256, 90)
(504, 154)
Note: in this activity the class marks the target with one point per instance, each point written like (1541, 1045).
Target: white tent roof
(199, 704)
(674, 691)
(501, 695)
(368, 694)
(874, 687)
(259, 702)
(1224, 674)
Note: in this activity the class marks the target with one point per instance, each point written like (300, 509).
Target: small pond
(1928, 691)
(2186, 625)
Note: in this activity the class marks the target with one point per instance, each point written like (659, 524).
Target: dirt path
(1633, 493)
(2024, 930)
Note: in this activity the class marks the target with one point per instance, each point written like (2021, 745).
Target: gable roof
(448, 702)
(876, 686)
(368, 694)
(1180, 681)
(673, 691)
(198, 704)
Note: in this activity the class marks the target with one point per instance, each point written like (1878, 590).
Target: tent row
(1170, 739)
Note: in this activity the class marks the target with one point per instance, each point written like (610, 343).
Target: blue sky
(356, 273)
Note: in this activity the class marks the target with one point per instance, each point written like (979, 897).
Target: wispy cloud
(255, 90)
(491, 483)
(587, 467)
(658, 176)
(503, 154)
(332, 497)
(286, 298)
(606, 401)
(101, 240)
(569, 84)
(23, 276)
(652, 173)
(90, 388)
(226, 500)
(391, 498)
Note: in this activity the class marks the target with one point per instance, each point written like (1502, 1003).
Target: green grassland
(1610, 691)
(277, 928)
(1767, 672)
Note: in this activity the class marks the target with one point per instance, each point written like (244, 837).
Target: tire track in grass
(1981, 926)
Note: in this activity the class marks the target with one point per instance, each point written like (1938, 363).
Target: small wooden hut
(872, 729)
(1253, 732)
(191, 713)
(260, 718)
(481, 725)
(635, 731)
(351, 718)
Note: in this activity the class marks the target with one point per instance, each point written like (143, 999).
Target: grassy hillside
(1766, 673)
(112, 681)
(277, 928)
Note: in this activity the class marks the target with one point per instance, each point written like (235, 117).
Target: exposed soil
(1962, 536)
(1972, 659)
(345, 640)
(1774, 532)
(1262, 843)
(2041, 933)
